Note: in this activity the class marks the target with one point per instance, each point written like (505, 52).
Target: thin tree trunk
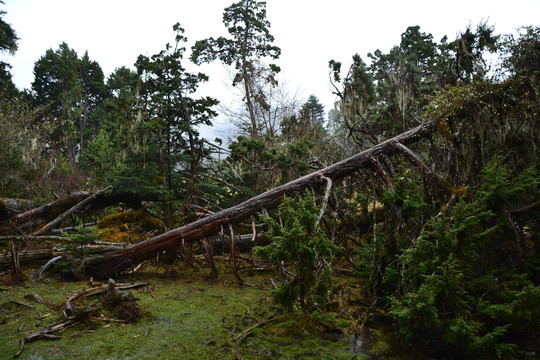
(15, 259)
(164, 180)
(210, 258)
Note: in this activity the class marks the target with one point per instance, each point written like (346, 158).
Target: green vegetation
(183, 317)
(431, 249)
(299, 243)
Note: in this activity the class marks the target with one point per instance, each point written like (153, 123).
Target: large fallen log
(70, 211)
(31, 256)
(34, 218)
(54, 213)
(11, 207)
(114, 262)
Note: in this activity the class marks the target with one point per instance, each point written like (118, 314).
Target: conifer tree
(299, 243)
(249, 43)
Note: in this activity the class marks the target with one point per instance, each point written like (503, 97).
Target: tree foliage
(250, 42)
(442, 235)
(71, 88)
(300, 244)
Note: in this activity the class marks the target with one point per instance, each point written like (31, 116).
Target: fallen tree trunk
(32, 219)
(11, 207)
(114, 262)
(59, 210)
(26, 257)
(70, 211)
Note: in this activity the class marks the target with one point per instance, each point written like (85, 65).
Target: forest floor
(183, 317)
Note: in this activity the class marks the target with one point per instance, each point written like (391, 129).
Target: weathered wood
(33, 219)
(124, 259)
(210, 258)
(70, 211)
(25, 257)
(11, 207)
(36, 217)
(15, 259)
(48, 265)
(73, 315)
(38, 239)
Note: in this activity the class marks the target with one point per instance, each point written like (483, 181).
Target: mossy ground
(185, 317)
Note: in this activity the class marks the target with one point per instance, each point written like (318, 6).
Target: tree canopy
(437, 227)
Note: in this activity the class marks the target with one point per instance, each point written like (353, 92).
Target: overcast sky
(309, 32)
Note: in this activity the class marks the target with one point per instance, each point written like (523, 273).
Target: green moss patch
(183, 318)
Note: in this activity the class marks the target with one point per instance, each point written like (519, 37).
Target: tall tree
(8, 43)
(469, 52)
(389, 96)
(93, 91)
(315, 110)
(173, 114)
(357, 100)
(404, 78)
(56, 84)
(8, 36)
(72, 88)
(250, 41)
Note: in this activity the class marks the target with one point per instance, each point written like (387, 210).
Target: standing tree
(250, 41)
(352, 120)
(72, 88)
(173, 116)
(404, 77)
(8, 43)
(92, 94)
(315, 110)
(56, 84)
(114, 125)
(8, 36)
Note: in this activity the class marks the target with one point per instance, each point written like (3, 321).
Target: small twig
(233, 256)
(23, 304)
(246, 333)
(520, 251)
(101, 318)
(43, 316)
(187, 261)
(136, 268)
(254, 228)
(530, 207)
(21, 348)
(46, 267)
(271, 318)
(20, 328)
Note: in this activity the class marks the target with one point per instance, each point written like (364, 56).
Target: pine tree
(249, 44)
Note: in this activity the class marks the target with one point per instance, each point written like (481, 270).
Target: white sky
(309, 32)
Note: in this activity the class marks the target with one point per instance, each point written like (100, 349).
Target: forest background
(441, 233)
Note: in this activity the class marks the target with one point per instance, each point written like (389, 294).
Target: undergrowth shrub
(301, 246)
(469, 286)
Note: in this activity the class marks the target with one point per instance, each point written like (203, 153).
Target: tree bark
(70, 211)
(12, 207)
(114, 262)
(34, 218)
